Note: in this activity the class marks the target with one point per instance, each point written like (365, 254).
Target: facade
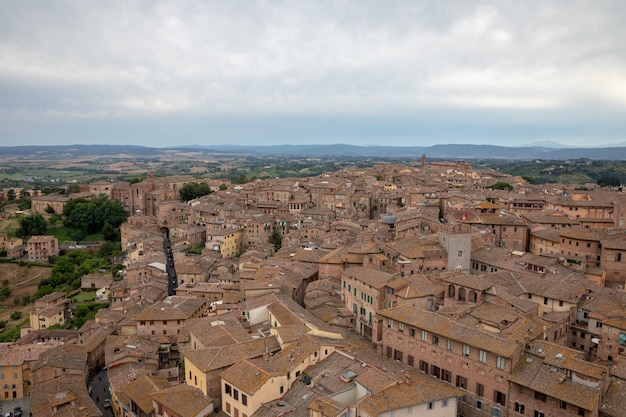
(168, 317)
(553, 380)
(227, 241)
(42, 205)
(475, 360)
(42, 248)
(363, 293)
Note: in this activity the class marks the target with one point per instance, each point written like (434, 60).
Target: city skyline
(412, 73)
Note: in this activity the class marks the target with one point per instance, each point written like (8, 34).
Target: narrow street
(100, 392)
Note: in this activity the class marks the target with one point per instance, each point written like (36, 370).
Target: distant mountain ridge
(449, 151)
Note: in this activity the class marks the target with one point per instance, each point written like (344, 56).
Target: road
(100, 391)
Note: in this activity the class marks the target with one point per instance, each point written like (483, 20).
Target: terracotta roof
(172, 308)
(246, 377)
(614, 399)
(373, 277)
(404, 395)
(221, 357)
(140, 389)
(217, 331)
(183, 400)
(532, 373)
(450, 329)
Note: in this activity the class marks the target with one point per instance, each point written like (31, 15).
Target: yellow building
(15, 369)
(228, 241)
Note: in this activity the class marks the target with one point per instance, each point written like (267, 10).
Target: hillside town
(392, 291)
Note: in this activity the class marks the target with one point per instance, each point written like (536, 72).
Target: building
(168, 317)
(553, 380)
(363, 293)
(475, 360)
(42, 248)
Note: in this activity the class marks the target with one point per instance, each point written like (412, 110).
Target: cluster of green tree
(193, 190)
(68, 270)
(90, 216)
(578, 171)
(502, 185)
(83, 216)
(32, 225)
(84, 313)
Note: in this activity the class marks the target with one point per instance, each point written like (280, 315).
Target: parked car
(107, 403)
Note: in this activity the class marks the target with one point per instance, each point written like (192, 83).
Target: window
(618, 257)
(466, 350)
(560, 303)
(495, 412)
(401, 327)
(581, 411)
(562, 405)
(282, 389)
(499, 362)
(412, 331)
(424, 335)
(389, 324)
(539, 396)
(478, 404)
(244, 399)
(431, 406)
(499, 397)
(461, 382)
(539, 414)
(599, 324)
(545, 300)
(435, 340)
(227, 388)
(450, 345)
(444, 402)
(519, 408)
(482, 356)
(410, 360)
(236, 394)
(480, 390)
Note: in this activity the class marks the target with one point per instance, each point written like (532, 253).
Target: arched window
(451, 291)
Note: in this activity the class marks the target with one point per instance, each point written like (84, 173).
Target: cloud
(122, 60)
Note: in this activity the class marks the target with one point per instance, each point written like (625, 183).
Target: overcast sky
(164, 73)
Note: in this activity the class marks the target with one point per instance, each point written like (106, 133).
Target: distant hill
(449, 151)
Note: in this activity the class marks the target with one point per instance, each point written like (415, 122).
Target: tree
(24, 204)
(223, 187)
(276, 239)
(16, 315)
(49, 209)
(501, 185)
(192, 190)
(4, 293)
(111, 233)
(11, 194)
(90, 216)
(32, 225)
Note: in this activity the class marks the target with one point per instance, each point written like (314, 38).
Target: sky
(362, 72)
